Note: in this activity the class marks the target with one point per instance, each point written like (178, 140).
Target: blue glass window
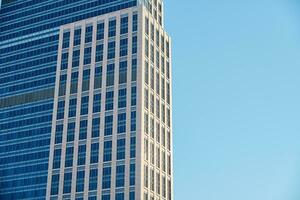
(60, 109)
(110, 74)
(67, 182)
(88, 34)
(133, 96)
(112, 28)
(87, 55)
(97, 103)
(134, 44)
(94, 153)
(133, 69)
(122, 123)
(77, 36)
(83, 129)
(132, 147)
(120, 176)
(74, 82)
(56, 158)
(111, 50)
(54, 184)
(131, 195)
(100, 31)
(75, 58)
(106, 177)
(105, 197)
(72, 107)
(122, 98)
(109, 102)
(120, 149)
(108, 128)
(66, 39)
(96, 127)
(62, 84)
(124, 25)
(99, 52)
(86, 79)
(81, 154)
(71, 131)
(134, 22)
(69, 157)
(64, 61)
(123, 72)
(123, 47)
(107, 148)
(58, 133)
(84, 105)
(132, 175)
(80, 181)
(119, 196)
(98, 77)
(133, 121)
(93, 179)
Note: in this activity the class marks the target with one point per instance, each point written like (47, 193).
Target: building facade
(85, 100)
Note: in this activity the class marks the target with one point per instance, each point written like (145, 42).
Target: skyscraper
(85, 99)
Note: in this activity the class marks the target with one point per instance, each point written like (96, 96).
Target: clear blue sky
(236, 98)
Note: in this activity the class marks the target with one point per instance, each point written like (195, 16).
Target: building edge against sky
(141, 149)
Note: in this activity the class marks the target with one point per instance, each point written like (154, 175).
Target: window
(105, 197)
(157, 59)
(157, 132)
(81, 154)
(56, 158)
(64, 61)
(84, 105)
(146, 47)
(86, 80)
(146, 176)
(152, 103)
(132, 175)
(120, 176)
(124, 25)
(108, 129)
(152, 31)
(94, 153)
(67, 182)
(96, 127)
(87, 55)
(58, 133)
(71, 131)
(99, 52)
(119, 196)
(122, 98)
(69, 157)
(60, 110)
(123, 47)
(158, 183)
(122, 123)
(111, 50)
(133, 96)
(110, 74)
(152, 179)
(158, 157)
(146, 151)
(88, 33)
(100, 31)
(54, 184)
(133, 121)
(120, 149)
(134, 44)
(146, 98)
(133, 69)
(152, 78)
(77, 36)
(83, 129)
(106, 177)
(168, 93)
(152, 53)
(132, 147)
(146, 72)
(134, 22)
(147, 26)
(146, 127)
(107, 148)
(163, 88)
(157, 83)
(112, 28)
(152, 127)
(80, 181)
(97, 103)
(123, 72)
(131, 195)
(74, 82)
(93, 179)
(66, 39)
(75, 59)
(109, 102)
(62, 85)
(98, 77)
